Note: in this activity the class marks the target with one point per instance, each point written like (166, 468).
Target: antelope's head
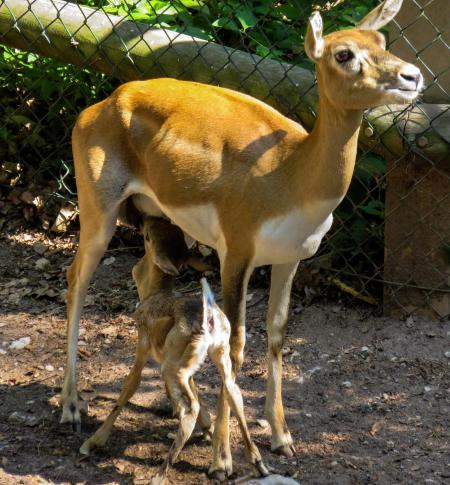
(354, 70)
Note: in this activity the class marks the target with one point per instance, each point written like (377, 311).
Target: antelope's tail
(209, 304)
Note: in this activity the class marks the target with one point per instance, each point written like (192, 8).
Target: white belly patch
(293, 236)
(286, 238)
(200, 222)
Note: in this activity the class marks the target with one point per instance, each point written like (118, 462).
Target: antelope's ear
(314, 43)
(165, 264)
(381, 15)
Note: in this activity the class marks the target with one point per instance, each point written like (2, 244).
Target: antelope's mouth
(403, 94)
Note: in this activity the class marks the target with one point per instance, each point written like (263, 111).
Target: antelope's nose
(411, 77)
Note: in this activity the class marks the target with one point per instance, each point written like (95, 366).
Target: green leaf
(226, 23)
(4, 133)
(370, 167)
(246, 18)
(374, 208)
(47, 88)
(192, 3)
(197, 32)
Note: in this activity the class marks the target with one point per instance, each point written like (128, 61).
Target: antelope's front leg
(280, 291)
(235, 273)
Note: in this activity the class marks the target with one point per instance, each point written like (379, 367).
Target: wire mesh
(391, 237)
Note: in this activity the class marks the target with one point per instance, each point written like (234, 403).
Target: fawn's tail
(209, 305)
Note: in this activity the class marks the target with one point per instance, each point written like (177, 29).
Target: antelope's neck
(332, 147)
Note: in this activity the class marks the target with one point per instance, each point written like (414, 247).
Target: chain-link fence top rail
(255, 47)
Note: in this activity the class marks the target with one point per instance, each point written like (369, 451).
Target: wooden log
(133, 50)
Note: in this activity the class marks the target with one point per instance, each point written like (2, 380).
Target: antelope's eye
(344, 56)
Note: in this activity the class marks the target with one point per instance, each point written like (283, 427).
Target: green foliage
(40, 99)
(269, 29)
(358, 242)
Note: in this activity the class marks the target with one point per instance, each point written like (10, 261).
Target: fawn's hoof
(285, 450)
(261, 469)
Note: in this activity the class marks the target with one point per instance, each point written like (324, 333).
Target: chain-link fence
(391, 238)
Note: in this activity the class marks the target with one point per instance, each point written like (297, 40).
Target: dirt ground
(367, 399)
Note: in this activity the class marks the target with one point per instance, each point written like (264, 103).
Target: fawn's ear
(314, 43)
(381, 15)
(195, 262)
(165, 264)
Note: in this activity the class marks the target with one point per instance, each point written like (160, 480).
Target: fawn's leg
(221, 358)
(235, 273)
(129, 387)
(96, 230)
(204, 419)
(177, 379)
(280, 291)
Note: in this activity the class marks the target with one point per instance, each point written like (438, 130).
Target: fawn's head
(354, 71)
(165, 244)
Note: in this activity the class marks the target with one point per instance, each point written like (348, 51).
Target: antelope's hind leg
(129, 387)
(102, 179)
(96, 231)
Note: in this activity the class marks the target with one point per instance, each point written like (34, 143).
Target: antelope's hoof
(218, 475)
(261, 469)
(285, 450)
(72, 409)
(221, 467)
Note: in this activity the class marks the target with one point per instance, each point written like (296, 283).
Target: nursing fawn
(178, 333)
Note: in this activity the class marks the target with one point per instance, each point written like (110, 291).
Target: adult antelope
(236, 175)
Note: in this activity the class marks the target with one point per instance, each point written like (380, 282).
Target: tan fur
(222, 166)
(178, 333)
(166, 253)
